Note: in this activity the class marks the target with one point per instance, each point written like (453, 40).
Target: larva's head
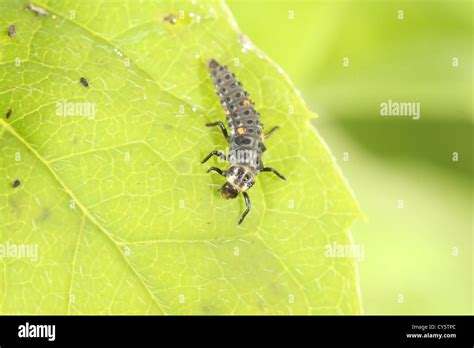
(239, 179)
(213, 64)
(229, 191)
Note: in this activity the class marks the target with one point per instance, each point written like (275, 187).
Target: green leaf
(125, 218)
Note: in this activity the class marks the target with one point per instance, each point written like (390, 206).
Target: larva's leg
(274, 171)
(271, 131)
(214, 153)
(217, 170)
(221, 126)
(247, 207)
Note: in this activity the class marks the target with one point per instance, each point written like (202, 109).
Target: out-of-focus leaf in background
(419, 257)
(125, 217)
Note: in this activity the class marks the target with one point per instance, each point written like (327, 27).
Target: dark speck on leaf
(12, 30)
(44, 215)
(8, 114)
(84, 82)
(16, 183)
(170, 19)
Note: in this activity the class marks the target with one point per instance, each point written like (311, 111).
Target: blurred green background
(418, 253)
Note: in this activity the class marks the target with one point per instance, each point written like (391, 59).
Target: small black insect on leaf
(84, 82)
(8, 114)
(12, 30)
(16, 183)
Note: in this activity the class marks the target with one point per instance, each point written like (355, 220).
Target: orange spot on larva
(247, 102)
(241, 130)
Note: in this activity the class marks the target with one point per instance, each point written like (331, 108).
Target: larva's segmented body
(246, 130)
(246, 136)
